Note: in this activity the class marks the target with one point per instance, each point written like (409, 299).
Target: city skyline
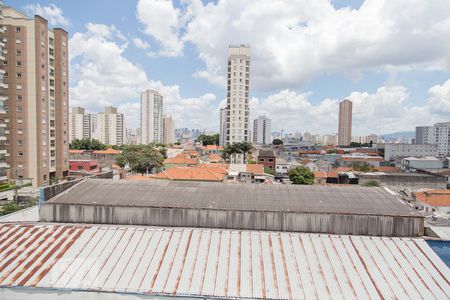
(146, 56)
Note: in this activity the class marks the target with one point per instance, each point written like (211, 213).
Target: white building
(168, 130)
(424, 135)
(441, 137)
(79, 124)
(412, 164)
(151, 117)
(392, 150)
(237, 94)
(262, 129)
(223, 127)
(110, 127)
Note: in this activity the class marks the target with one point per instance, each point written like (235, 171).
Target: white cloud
(51, 12)
(295, 41)
(102, 76)
(162, 21)
(439, 98)
(138, 43)
(388, 109)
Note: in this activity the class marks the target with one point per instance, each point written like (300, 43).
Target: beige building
(36, 71)
(4, 166)
(151, 117)
(110, 129)
(345, 123)
(262, 131)
(237, 94)
(80, 124)
(168, 130)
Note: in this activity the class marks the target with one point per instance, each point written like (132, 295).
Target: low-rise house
(267, 158)
(321, 177)
(413, 164)
(83, 166)
(181, 160)
(281, 166)
(211, 149)
(433, 201)
(105, 158)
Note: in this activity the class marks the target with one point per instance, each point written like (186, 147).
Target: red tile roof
(192, 173)
(180, 159)
(255, 168)
(323, 174)
(107, 151)
(215, 157)
(433, 197)
(76, 151)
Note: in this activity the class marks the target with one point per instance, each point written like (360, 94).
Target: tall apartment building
(110, 127)
(4, 166)
(168, 130)
(36, 71)
(237, 94)
(223, 127)
(151, 117)
(424, 135)
(441, 137)
(80, 124)
(345, 123)
(262, 129)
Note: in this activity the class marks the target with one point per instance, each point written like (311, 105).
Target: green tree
(301, 175)
(363, 167)
(87, 144)
(237, 148)
(269, 171)
(277, 142)
(140, 158)
(9, 208)
(205, 139)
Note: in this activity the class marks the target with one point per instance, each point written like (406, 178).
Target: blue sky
(391, 59)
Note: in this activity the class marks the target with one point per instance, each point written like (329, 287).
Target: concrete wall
(406, 181)
(230, 219)
(51, 191)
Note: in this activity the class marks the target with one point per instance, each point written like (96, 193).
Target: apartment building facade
(80, 124)
(345, 122)
(262, 129)
(223, 127)
(4, 166)
(168, 130)
(110, 128)
(151, 117)
(424, 135)
(36, 71)
(238, 111)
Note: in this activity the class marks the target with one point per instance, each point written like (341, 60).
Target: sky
(391, 58)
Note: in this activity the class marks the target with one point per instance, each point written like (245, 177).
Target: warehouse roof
(249, 197)
(218, 263)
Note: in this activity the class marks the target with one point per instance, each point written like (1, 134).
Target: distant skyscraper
(345, 123)
(168, 130)
(110, 127)
(223, 127)
(424, 135)
(80, 124)
(36, 72)
(262, 131)
(151, 117)
(237, 94)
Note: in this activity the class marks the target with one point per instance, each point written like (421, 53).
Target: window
(51, 52)
(51, 41)
(18, 63)
(20, 142)
(19, 120)
(18, 52)
(20, 153)
(18, 41)
(19, 75)
(19, 108)
(19, 86)
(18, 29)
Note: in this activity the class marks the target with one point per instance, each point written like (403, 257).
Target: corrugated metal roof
(219, 263)
(250, 197)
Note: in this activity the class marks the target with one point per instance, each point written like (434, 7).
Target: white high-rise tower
(151, 117)
(237, 94)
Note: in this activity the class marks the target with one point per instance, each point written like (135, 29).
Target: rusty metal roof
(219, 263)
(251, 197)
